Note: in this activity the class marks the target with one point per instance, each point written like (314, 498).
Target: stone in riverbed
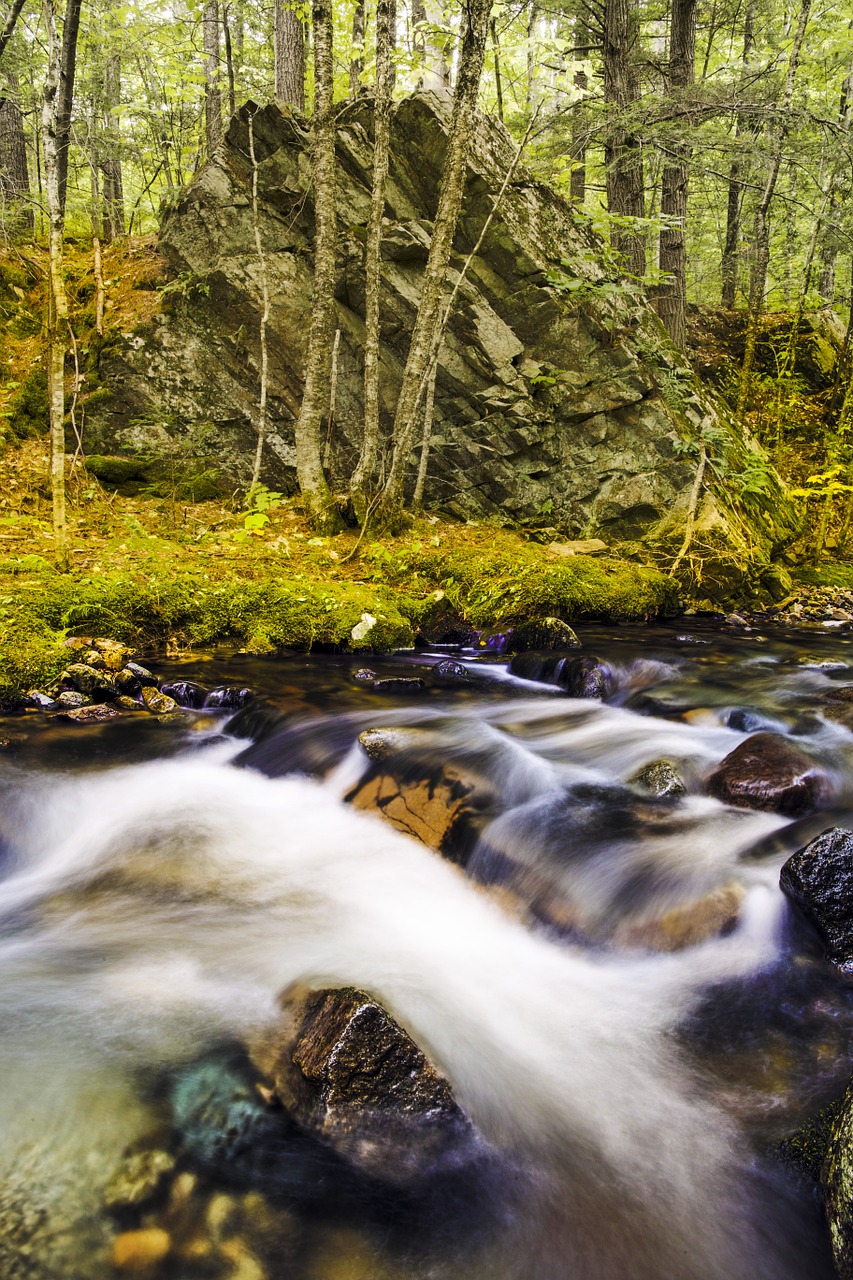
(159, 703)
(545, 635)
(684, 926)
(436, 801)
(767, 772)
(40, 700)
(659, 778)
(70, 699)
(399, 684)
(584, 677)
(450, 672)
(186, 693)
(138, 1179)
(89, 680)
(142, 674)
(138, 1252)
(350, 1075)
(228, 698)
(819, 879)
(94, 714)
(128, 704)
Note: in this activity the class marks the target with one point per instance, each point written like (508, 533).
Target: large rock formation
(557, 391)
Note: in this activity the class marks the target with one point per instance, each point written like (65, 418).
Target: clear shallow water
(162, 885)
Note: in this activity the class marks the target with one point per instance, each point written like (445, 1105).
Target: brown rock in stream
(438, 803)
(767, 772)
(349, 1075)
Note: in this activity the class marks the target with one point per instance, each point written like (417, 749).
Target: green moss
(825, 575)
(203, 486)
(114, 472)
(29, 408)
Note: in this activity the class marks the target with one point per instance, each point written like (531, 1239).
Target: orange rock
(139, 1251)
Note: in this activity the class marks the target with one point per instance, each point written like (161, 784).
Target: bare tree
(309, 467)
(672, 294)
(212, 88)
(363, 476)
(623, 154)
(430, 315)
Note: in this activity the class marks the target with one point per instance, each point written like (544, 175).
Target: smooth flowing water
(163, 883)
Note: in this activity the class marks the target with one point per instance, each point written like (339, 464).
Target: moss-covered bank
(179, 606)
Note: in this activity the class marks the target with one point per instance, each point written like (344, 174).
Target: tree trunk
(623, 156)
(9, 27)
(761, 225)
(735, 192)
(356, 66)
(65, 94)
(672, 294)
(289, 44)
(113, 190)
(14, 173)
(364, 475)
(309, 468)
(212, 90)
(51, 119)
(451, 191)
(579, 124)
(496, 55)
(229, 62)
(435, 73)
(829, 247)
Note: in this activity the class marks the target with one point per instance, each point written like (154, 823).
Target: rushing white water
(154, 910)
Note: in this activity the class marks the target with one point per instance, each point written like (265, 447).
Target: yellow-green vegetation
(166, 575)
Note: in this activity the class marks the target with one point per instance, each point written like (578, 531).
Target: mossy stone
(115, 471)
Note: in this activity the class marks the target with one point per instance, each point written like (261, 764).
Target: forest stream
(165, 880)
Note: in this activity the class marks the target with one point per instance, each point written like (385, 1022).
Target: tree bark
(356, 66)
(761, 225)
(52, 105)
(496, 55)
(113, 187)
(212, 89)
(315, 490)
(14, 172)
(363, 478)
(577, 188)
(435, 72)
(735, 191)
(229, 62)
(9, 27)
(427, 323)
(65, 94)
(623, 156)
(289, 50)
(672, 295)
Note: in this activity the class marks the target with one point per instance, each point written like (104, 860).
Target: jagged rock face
(555, 389)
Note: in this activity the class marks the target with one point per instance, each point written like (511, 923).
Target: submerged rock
(450, 672)
(137, 1252)
(228, 698)
(579, 677)
(819, 879)
(138, 1179)
(685, 925)
(439, 802)
(350, 1075)
(93, 714)
(399, 684)
(542, 634)
(767, 772)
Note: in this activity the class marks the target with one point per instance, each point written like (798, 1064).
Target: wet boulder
(836, 1178)
(819, 879)
(421, 793)
(138, 1179)
(450, 672)
(70, 700)
(157, 701)
(142, 674)
(228, 698)
(399, 684)
(95, 713)
(544, 635)
(185, 693)
(711, 916)
(768, 772)
(579, 677)
(95, 683)
(351, 1077)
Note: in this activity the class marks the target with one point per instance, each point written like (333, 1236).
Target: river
(163, 882)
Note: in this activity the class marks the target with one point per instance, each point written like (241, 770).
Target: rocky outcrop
(819, 879)
(767, 772)
(557, 390)
(837, 1183)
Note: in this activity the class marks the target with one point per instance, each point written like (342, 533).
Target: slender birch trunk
(364, 474)
(313, 485)
(57, 302)
(430, 314)
(761, 226)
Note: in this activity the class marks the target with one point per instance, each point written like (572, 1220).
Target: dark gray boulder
(579, 677)
(819, 879)
(556, 386)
